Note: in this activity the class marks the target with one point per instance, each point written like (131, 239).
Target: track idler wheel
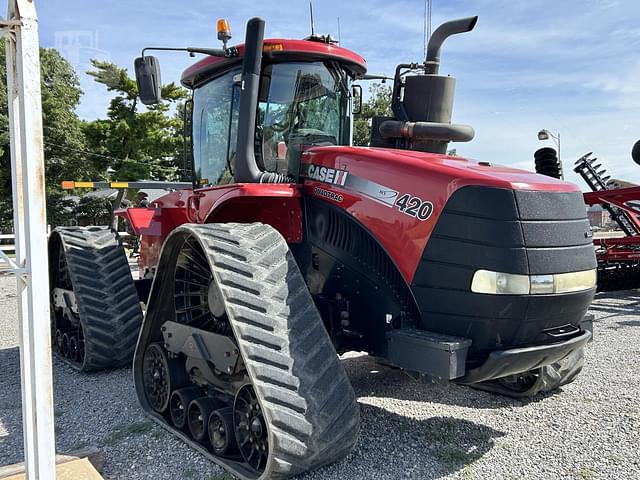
(73, 349)
(222, 432)
(161, 376)
(251, 429)
(198, 416)
(58, 341)
(179, 402)
(64, 347)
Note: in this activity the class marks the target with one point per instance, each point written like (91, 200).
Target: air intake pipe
(439, 132)
(444, 31)
(423, 104)
(246, 169)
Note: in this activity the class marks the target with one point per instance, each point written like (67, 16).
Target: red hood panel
(398, 194)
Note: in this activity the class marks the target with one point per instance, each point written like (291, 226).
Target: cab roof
(278, 49)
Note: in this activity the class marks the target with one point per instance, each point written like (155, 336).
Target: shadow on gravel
(10, 406)
(393, 446)
(371, 379)
(629, 323)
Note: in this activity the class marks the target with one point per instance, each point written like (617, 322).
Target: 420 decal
(414, 206)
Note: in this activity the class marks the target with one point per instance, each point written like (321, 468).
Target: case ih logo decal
(408, 204)
(327, 175)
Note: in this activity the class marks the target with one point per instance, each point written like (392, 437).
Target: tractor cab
(297, 93)
(300, 104)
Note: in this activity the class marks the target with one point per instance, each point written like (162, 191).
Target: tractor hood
(394, 163)
(409, 190)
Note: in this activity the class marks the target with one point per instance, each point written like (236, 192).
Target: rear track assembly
(95, 311)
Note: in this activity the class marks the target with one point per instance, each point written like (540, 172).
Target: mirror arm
(214, 52)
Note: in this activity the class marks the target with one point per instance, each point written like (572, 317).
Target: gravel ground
(590, 430)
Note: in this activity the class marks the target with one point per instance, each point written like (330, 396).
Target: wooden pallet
(80, 465)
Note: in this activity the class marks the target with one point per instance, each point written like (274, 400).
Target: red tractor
(292, 246)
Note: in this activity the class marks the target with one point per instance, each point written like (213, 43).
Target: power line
(86, 152)
(71, 149)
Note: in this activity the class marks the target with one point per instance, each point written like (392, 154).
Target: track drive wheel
(94, 304)
(162, 376)
(289, 406)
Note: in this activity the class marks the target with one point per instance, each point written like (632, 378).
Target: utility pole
(30, 226)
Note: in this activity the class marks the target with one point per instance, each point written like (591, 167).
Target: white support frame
(29, 216)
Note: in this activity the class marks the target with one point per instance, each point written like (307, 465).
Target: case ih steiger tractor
(291, 246)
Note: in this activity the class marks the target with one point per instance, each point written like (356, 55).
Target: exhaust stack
(444, 31)
(422, 104)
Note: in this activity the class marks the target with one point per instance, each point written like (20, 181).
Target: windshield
(301, 104)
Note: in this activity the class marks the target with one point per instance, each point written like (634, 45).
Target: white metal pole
(27, 164)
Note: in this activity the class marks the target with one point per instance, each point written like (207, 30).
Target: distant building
(598, 216)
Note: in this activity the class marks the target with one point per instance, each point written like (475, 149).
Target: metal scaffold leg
(31, 263)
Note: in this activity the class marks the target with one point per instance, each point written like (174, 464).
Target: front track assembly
(233, 356)
(95, 311)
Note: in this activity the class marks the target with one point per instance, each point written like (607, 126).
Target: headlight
(574, 282)
(486, 281)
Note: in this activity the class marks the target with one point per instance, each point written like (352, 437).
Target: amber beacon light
(224, 31)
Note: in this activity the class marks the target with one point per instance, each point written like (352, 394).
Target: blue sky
(569, 66)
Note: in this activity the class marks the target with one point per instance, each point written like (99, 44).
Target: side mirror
(148, 78)
(357, 99)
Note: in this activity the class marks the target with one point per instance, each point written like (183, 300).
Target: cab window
(215, 120)
(301, 104)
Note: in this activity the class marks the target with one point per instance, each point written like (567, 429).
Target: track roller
(179, 402)
(221, 432)
(93, 298)
(198, 414)
(230, 302)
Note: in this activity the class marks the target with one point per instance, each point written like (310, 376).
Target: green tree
(378, 104)
(147, 144)
(64, 141)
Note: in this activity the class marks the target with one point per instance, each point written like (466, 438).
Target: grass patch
(615, 459)
(456, 443)
(450, 430)
(121, 432)
(467, 473)
(79, 446)
(586, 473)
(455, 457)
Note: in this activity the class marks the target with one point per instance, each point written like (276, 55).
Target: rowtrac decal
(321, 192)
(408, 204)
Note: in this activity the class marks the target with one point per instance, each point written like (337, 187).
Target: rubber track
(304, 391)
(108, 303)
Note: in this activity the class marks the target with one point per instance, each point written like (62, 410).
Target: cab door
(214, 139)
